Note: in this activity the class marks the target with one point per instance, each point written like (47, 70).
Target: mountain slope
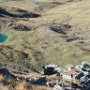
(45, 45)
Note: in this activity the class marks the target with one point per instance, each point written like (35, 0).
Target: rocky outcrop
(21, 13)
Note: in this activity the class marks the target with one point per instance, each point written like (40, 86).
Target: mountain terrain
(42, 32)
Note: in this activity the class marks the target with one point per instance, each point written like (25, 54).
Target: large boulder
(79, 75)
(51, 69)
(85, 66)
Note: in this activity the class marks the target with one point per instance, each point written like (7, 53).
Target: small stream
(3, 38)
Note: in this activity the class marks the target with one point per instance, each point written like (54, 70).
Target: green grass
(53, 47)
(56, 53)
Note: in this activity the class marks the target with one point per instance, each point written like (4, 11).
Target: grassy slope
(54, 48)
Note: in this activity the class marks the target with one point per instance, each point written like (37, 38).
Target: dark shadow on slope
(22, 28)
(7, 75)
(29, 15)
(62, 29)
(71, 39)
(3, 12)
(74, 0)
(1, 16)
(24, 14)
(57, 3)
(40, 81)
(21, 10)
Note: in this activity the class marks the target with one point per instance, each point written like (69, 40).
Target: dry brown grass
(23, 86)
(2, 87)
(40, 88)
(1, 78)
(19, 85)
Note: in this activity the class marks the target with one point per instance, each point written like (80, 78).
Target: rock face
(7, 75)
(82, 75)
(57, 82)
(85, 66)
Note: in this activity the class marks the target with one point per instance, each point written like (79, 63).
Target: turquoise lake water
(3, 38)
